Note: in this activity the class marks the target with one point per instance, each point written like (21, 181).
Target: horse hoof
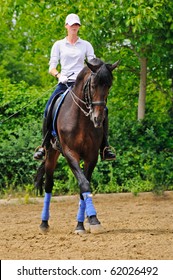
(80, 229)
(87, 226)
(96, 229)
(79, 232)
(93, 225)
(44, 226)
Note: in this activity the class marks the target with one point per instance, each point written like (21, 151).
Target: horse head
(97, 87)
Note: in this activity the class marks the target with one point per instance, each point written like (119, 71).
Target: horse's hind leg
(39, 178)
(50, 165)
(45, 212)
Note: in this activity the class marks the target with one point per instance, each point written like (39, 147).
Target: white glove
(63, 79)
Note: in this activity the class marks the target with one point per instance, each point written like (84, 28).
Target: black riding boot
(41, 151)
(105, 150)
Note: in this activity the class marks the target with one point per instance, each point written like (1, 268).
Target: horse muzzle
(97, 113)
(97, 120)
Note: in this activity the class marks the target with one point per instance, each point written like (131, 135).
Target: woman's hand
(63, 79)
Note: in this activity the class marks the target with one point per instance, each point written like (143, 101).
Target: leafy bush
(144, 149)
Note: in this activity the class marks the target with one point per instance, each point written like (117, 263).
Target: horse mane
(104, 76)
(103, 73)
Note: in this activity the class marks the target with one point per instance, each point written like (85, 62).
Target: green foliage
(144, 159)
(144, 150)
(125, 30)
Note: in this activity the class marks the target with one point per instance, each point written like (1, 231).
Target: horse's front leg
(50, 165)
(80, 229)
(92, 223)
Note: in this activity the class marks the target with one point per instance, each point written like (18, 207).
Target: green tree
(146, 29)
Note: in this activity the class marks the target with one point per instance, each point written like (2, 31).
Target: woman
(70, 53)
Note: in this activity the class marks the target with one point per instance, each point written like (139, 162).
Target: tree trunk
(142, 89)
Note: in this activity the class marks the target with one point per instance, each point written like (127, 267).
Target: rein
(73, 95)
(88, 98)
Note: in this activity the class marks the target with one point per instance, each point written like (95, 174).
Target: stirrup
(107, 154)
(44, 151)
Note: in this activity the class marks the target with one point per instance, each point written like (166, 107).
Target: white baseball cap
(72, 19)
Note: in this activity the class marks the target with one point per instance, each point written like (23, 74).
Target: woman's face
(73, 29)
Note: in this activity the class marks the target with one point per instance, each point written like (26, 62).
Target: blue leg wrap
(90, 209)
(45, 211)
(81, 211)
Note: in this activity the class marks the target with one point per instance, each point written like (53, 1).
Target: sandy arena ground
(138, 227)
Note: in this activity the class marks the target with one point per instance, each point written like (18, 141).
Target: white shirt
(70, 57)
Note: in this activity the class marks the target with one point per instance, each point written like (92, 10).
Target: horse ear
(113, 66)
(92, 67)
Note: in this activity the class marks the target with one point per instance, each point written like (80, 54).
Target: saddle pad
(55, 111)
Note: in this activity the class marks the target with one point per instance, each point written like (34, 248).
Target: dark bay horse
(80, 131)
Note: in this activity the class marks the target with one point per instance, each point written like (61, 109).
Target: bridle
(87, 91)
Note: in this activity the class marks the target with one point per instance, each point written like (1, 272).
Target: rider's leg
(105, 150)
(41, 151)
(46, 129)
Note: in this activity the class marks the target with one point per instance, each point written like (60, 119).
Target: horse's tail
(39, 178)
